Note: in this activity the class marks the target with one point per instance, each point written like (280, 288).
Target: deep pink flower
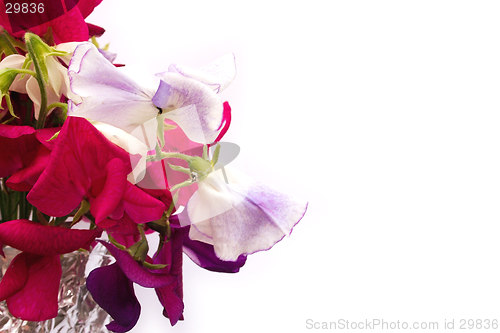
(24, 153)
(17, 143)
(84, 164)
(28, 154)
(31, 283)
(65, 18)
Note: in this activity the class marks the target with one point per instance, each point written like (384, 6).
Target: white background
(384, 115)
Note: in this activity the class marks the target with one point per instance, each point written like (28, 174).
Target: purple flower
(112, 286)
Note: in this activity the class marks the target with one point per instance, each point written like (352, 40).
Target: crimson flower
(24, 153)
(65, 18)
(31, 283)
(86, 165)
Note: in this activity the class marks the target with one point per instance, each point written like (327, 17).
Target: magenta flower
(85, 165)
(111, 97)
(24, 153)
(65, 18)
(17, 145)
(31, 283)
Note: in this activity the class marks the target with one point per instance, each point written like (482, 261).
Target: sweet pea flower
(24, 154)
(85, 165)
(31, 283)
(108, 96)
(239, 216)
(65, 19)
(58, 84)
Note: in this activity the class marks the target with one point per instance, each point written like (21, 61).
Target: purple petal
(135, 271)
(172, 303)
(110, 56)
(170, 296)
(247, 218)
(114, 292)
(203, 255)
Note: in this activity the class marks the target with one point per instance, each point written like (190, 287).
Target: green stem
(43, 92)
(183, 184)
(163, 155)
(22, 71)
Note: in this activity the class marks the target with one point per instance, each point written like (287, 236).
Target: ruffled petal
(108, 95)
(203, 255)
(70, 27)
(37, 300)
(130, 144)
(14, 278)
(33, 91)
(17, 143)
(190, 104)
(173, 306)
(140, 206)
(135, 271)
(114, 292)
(24, 179)
(218, 74)
(39, 239)
(111, 194)
(77, 165)
(170, 296)
(16, 61)
(259, 217)
(87, 6)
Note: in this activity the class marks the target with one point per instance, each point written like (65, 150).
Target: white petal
(259, 218)
(108, 95)
(192, 105)
(212, 198)
(33, 91)
(67, 47)
(16, 61)
(130, 144)
(56, 74)
(219, 74)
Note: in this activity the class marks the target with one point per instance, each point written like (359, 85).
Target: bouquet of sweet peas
(88, 156)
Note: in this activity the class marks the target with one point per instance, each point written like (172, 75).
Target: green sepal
(7, 76)
(139, 250)
(38, 51)
(116, 244)
(215, 157)
(84, 208)
(56, 134)
(8, 44)
(153, 266)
